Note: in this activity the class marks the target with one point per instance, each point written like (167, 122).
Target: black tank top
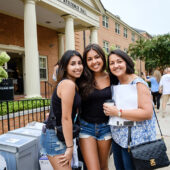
(92, 106)
(56, 106)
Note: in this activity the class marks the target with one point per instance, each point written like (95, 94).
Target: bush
(15, 106)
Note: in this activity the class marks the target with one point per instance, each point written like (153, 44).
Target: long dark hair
(62, 69)
(87, 81)
(129, 65)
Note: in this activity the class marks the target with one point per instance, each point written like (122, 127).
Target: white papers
(125, 97)
(75, 161)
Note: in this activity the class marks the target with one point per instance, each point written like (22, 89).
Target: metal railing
(18, 113)
(48, 88)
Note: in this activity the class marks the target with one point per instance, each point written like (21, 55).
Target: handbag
(60, 135)
(149, 155)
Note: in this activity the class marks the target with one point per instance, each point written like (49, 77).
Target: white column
(60, 45)
(94, 35)
(69, 32)
(32, 75)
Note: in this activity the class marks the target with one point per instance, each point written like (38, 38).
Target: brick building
(35, 33)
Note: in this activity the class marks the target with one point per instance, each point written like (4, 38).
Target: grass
(15, 106)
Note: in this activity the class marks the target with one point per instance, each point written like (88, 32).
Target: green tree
(155, 52)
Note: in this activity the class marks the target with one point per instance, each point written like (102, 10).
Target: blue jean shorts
(97, 131)
(50, 145)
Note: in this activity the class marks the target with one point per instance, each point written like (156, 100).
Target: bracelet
(69, 146)
(120, 113)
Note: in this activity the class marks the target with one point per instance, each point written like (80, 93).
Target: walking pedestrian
(165, 85)
(155, 79)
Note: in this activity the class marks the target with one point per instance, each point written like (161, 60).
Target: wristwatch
(120, 113)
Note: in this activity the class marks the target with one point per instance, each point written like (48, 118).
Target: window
(106, 46)
(117, 28)
(43, 68)
(133, 36)
(125, 50)
(125, 33)
(118, 46)
(105, 21)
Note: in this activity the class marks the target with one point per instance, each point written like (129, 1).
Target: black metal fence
(18, 113)
(48, 89)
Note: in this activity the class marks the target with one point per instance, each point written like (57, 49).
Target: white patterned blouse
(144, 130)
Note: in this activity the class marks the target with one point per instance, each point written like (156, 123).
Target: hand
(110, 110)
(66, 158)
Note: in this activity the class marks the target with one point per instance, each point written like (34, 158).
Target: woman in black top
(95, 136)
(64, 104)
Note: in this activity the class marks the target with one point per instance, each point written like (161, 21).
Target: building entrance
(15, 71)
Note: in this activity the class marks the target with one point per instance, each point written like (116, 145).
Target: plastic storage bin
(2, 163)
(35, 125)
(18, 151)
(31, 133)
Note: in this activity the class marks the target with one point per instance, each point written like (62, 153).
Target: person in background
(95, 136)
(121, 70)
(64, 103)
(165, 85)
(165, 71)
(155, 79)
(55, 71)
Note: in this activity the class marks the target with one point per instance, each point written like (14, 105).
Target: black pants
(156, 98)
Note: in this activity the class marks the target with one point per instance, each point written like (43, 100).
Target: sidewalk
(165, 127)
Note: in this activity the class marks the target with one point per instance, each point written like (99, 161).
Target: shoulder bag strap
(75, 119)
(112, 93)
(129, 130)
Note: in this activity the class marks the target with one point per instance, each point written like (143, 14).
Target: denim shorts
(50, 145)
(98, 131)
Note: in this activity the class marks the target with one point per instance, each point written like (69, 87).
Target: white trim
(105, 21)
(117, 28)
(12, 48)
(106, 45)
(43, 79)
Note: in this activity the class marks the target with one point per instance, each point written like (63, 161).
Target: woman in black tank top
(64, 103)
(95, 135)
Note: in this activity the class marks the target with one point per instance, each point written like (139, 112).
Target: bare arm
(144, 77)
(66, 91)
(145, 108)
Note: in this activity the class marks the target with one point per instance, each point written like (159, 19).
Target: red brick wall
(12, 33)
(109, 34)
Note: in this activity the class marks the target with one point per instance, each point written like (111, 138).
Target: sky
(152, 16)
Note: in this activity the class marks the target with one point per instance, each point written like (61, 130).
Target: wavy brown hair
(87, 81)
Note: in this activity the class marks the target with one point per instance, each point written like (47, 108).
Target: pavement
(165, 128)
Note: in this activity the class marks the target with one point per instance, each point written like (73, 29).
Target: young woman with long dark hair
(121, 70)
(64, 103)
(95, 136)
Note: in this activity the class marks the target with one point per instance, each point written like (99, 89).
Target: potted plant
(6, 85)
